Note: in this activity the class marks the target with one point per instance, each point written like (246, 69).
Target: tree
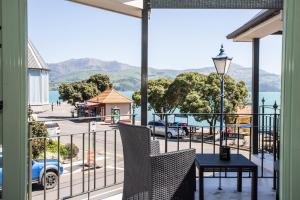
(77, 92)
(84, 90)
(101, 81)
(207, 99)
(184, 84)
(158, 99)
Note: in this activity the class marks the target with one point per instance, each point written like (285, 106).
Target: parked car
(53, 128)
(38, 172)
(160, 129)
(183, 126)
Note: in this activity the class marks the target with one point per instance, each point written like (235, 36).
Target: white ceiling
(127, 7)
(268, 27)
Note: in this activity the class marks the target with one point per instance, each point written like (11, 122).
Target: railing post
(262, 121)
(166, 133)
(153, 127)
(275, 144)
(133, 119)
(29, 161)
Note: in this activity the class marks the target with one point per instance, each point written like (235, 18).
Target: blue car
(38, 172)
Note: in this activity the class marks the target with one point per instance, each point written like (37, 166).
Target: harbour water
(270, 98)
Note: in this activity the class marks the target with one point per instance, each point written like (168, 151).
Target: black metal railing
(205, 138)
(98, 164)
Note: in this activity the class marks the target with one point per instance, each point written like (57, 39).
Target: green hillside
(126, 77)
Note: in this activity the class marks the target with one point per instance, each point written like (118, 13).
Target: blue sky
(178, 39)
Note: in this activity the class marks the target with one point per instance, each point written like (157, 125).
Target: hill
(126, 77)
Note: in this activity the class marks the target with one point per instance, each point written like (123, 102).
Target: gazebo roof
(35, 60)
(266, 22)
(109, 96)
(127, 7)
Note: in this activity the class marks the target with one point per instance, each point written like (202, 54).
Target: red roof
(110, 96)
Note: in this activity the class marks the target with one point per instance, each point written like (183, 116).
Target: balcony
(97, 171)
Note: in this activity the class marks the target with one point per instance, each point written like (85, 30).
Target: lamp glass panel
(220, 65)
(227, 65)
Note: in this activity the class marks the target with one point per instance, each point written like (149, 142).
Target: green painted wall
(14, 85)
(290, 121)
(1, 83)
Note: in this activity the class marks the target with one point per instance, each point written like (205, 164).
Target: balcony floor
(229, 191)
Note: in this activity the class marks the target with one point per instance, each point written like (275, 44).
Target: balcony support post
(144, 64)
(255, 95)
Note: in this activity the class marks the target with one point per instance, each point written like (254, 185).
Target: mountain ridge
(127, 77)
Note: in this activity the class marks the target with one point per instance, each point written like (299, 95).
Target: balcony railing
(99, 163)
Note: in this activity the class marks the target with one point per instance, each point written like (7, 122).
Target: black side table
(206, 162)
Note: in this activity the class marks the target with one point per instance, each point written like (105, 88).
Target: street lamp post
(222, 63)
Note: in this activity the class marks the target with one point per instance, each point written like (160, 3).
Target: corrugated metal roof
(35, 60)
(110, 96)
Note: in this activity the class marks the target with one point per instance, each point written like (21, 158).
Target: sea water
(270, 99)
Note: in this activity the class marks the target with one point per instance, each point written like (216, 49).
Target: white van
(53, 128)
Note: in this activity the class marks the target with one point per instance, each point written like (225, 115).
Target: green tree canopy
(207, 100)
(101, 81)
(184, 84)
(81, 91)
(194, 93)
(158, 99)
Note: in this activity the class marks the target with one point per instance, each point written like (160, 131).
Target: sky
(178, 39)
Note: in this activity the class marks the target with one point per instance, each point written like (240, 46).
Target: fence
(238, 134)
(99, 163)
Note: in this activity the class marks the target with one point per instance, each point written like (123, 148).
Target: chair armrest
(155, 148)
(168, 170)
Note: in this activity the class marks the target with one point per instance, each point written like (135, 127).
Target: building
(104, 103)
(38, 80)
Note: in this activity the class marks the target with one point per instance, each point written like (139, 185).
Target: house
(38, 80)
(110, 99)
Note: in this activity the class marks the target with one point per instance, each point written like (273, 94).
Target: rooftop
(266, 22)
(35, 60)
(110, 96)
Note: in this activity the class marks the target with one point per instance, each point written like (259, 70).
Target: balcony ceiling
(127, 7)
(267, 22)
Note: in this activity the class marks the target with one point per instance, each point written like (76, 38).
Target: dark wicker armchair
(152, 175)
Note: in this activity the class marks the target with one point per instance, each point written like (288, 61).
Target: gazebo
(105, 102)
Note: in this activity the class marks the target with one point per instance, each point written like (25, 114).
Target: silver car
(159, 129)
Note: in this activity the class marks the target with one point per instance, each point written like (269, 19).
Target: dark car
(183, 126)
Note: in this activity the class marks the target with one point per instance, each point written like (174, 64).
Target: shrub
(38, 130)
(52, 147)
(66, 152)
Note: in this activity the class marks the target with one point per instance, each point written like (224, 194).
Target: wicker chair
(152, 175)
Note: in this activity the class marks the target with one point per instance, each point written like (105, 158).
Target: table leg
(254, 184)
(201, 184)
(239, 180)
